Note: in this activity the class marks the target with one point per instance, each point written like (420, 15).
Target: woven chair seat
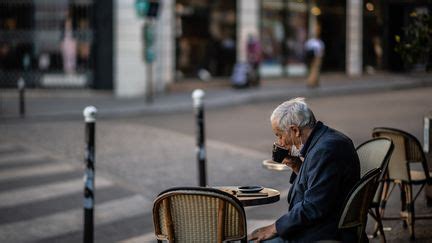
(418, 176)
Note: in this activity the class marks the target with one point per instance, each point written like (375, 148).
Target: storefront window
(283, 34)
(47, 39)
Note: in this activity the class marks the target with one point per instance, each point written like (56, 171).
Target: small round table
(272, 165)
(253, 199)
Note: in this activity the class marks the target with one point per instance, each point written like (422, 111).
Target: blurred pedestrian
(314, 49)
(253, 51)
(325, 166)
(68, 46)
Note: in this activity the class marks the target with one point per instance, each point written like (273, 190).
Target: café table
(265, 196)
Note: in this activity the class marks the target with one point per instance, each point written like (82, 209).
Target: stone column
(165, 46)
(248, 15)
(354, 39)
(129, 65)
(129, 68)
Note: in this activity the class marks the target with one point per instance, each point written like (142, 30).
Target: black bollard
(21, 90)
(198, 96)
(89, 175)
(427, 143)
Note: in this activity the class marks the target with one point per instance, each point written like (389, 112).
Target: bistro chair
(198, 214)
(355, 211)
(375, 153)
(408, 152)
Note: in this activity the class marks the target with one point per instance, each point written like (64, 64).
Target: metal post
(21, 90)
(148, 30)
(427, 142)
(89, 175)
(197, 97)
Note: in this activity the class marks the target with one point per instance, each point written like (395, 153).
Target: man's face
(281, 136)
(285, 138)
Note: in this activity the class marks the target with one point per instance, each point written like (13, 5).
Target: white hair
(293, 112)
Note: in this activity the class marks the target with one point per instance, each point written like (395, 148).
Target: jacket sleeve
(323, 180)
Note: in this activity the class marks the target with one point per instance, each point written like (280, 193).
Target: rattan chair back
(374, 153)
(407, 150)
(198, 214)
(354, 214)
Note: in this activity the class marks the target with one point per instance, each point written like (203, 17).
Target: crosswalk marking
(20, 158)
(24, 166)
(71, 220)
(35, 170)
(6, 147)
(43, 192)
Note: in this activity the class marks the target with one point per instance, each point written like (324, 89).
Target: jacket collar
(316, 133)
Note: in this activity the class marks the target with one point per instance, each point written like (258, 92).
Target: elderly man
(325, 173)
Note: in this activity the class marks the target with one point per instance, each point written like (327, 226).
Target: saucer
(250, 189)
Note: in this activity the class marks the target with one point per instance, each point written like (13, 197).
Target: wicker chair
(198, 214)
(355, 211)
(408, 151)
(375, 153)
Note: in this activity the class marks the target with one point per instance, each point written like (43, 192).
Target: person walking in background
(314, 49)
(253, 51)
(68, 46)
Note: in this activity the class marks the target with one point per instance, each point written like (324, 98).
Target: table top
(268, 196)
(272, 165)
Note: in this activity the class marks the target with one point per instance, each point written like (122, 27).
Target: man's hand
(293, 162)
(263, 233)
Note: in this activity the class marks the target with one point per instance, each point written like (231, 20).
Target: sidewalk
(69, 103)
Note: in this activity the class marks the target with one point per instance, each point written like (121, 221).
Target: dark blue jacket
(329, 170)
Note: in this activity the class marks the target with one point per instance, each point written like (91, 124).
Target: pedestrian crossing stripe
(72, 220)
(44, 192)
(34, 170)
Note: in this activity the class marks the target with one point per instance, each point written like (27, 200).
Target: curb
(181, 102)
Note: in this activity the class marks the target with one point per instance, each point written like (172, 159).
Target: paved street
(41, 163)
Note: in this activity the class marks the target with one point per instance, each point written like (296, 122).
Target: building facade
(99, 44)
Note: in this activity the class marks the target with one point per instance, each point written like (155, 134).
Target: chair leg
(384, 197)
(410, 211)
(403, 212)
(380, 227)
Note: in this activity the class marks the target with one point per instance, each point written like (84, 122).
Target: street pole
(21, 90)
(197, 97)
(149, 83)
(148, 39)
(89, 175)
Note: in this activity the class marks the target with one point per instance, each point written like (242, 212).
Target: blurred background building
(98, 44)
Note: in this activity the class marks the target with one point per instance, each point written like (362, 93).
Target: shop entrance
(205, 38)
(396, 18)
(333, 34)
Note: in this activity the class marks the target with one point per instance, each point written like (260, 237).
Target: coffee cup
(279, 153)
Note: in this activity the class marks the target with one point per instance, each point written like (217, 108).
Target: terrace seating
(198, 214)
